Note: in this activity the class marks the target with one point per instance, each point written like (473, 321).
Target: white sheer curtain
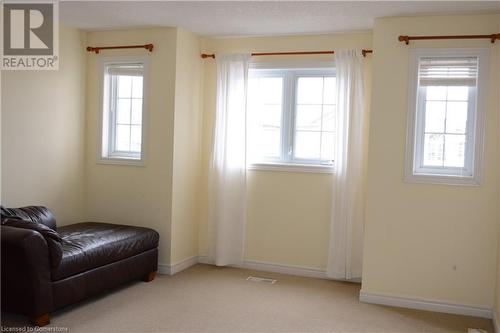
(346, 237)
(227, 173)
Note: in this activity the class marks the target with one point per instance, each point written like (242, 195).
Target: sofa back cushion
(37, 214)
(54, 241)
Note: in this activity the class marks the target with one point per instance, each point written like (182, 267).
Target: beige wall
(288, 213)
(42, 133)
(432, 242)
(138, 195)
(187, 148)
(421, 241)
(497, 293)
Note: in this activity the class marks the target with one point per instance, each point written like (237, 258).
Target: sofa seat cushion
(90, 245)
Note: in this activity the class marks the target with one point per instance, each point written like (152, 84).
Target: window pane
(327, 144)
(124, 85)
(315, 113)
(137, 86)
(122, 139)
(458, 93)
(307, 145)
(123, 111)
(455, 151)
(135, 139)
(435, 113)
(435, 93)
(456, 117)
(308, 117)
(433, 149)
(270, 90)
(265, 143)
(310, 90)
(270, 115)
(330, 92)
(137, 111)
(264, 117)
(269, 144)
(329, 117)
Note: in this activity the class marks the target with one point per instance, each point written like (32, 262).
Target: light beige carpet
(210, 299)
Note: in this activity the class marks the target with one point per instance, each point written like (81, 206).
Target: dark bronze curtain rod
(406, 39)
(97, 49)
(364, 52)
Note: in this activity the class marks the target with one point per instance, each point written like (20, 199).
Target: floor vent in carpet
(476, 330)
(261, 279)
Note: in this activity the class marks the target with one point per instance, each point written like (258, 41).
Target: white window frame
(290, 71)
(105, 151)
(471, 174)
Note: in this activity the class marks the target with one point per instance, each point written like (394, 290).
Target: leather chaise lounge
(45, 267)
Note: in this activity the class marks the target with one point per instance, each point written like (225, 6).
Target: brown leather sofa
(45, 267)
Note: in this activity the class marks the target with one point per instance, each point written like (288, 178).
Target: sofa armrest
(26, 275)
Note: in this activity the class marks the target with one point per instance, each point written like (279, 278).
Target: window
(123, 112)
(445, 127)
(291, 117)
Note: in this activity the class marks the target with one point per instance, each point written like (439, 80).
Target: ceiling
(255, 18)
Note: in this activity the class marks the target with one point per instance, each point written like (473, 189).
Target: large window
(123, 112)
(291, 116)
(445, 123)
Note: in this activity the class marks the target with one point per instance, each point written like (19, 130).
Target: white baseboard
(275, 268)
(496, 324)
(411, 303)
(426, 305)
(284, 269)
(204, 260)
(171, 269)
(163, 269)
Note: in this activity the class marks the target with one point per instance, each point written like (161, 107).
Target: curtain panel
(227, 171)
(346, 236)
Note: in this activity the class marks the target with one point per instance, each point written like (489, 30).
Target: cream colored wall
(496, 309)
(497, 292)
(131, 194)
(42, 133)
(187, 148)
(433, 242)
(288, 213)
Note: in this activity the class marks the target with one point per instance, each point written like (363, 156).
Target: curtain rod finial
(92, 49)
(405, 39)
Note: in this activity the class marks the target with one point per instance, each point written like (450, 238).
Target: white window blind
(453, 71)
(125, 69)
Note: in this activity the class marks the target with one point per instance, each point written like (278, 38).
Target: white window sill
(442, 180)
(121, 161)
(289, 167)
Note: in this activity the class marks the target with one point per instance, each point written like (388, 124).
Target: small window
(291, 117)
(123, 112)
(446, 117)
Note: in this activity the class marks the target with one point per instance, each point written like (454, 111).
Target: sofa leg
(149, 277)
(41, 320)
